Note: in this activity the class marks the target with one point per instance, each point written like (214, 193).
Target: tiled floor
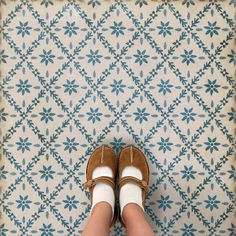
(156, 74)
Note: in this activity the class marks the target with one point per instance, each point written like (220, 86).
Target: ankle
(102, 210)
(132, 212)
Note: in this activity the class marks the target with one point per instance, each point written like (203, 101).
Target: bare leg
(135, 221)
(100, 220)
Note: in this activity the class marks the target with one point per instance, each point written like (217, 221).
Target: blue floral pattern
(188, 173)
(23, 202)
(165, 29)
(23, 87)
(79, 74)
(117, 87)
(47, 3)
(70, 28)
(70, 144)
(70, 87)
(212, 87)
(188, 57)
(141, 115)
(212, 144)
(141, 57)
(94, 57)
(3, 115)
(188, 115)
(232, 57)
(165, 145)
(212, 202)
(212, 29)
(70, 202)
(3, 56)
(94, 115)
(47, 57)
(47, 230)
(165, 87)
(165, 202)
(47, 173)
(23, 28)
(23, 144)
(188, 230)
(47, 115)
(118, 29)
(3, 173)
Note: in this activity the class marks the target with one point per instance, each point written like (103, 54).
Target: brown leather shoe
(132, 156)
(102, 156)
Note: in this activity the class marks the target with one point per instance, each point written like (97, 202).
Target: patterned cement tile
(78, 74)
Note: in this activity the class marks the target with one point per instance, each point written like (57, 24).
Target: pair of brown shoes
(106, 156)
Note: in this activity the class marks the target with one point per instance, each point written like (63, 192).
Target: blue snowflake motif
(94, 3)
(94, 57)
(47, 115)
(165, 145)
(232, 57)
(47, 230)
(70, 28)
(23, 145)
(70, 86)
(117, 144)
(188, 173)
(70, 202)
(118, 29)
(47, 2)
(164, 87)
(118, 229)
(47, 57)
(141, 57)
(232, 173)
(94, 115)
(3, 115)
(212, 145)
(23, 202)
(23, 28)
(188, 230)
(23, 87)
(117, 87)
(212, 202)
(141, 3)
(188, 57)
(232, 115)
(47, 173)
(3, 56)
(3, 173)
(70, 145)
(165, 29)
(3, 230)
(188, 115)
(165, 202)
(212, 29)
(212, 87)
(188, 3)
(141, 115)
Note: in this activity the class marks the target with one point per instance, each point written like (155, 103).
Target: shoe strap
(92, 182)
(126, 179)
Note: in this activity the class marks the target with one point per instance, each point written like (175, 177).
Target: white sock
(130, 192)
(103, 192)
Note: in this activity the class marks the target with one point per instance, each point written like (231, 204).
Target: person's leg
(99, 221)
(135, 221)
(100, 179)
